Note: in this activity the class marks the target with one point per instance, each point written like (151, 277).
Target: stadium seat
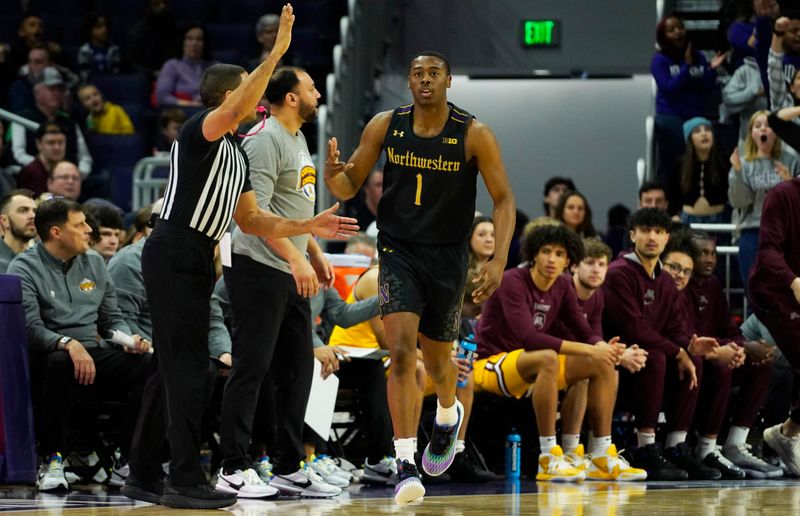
(117, 156)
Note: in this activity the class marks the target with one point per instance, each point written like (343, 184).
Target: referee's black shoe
(201, 496)
(150, 492)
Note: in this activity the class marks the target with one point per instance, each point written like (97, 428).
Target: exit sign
(541, 33)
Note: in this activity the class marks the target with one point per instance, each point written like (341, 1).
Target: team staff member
(208, 185)
(434, 151)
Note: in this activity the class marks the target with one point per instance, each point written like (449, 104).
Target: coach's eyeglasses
(65, 177)
(677, 269)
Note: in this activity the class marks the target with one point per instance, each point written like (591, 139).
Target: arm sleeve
(19, 145)
(264, 155)
(670, 86)
(219, 339)
(763, 42)
(786, 130)
(39, 337)
(778, 93)
(595, 317)
(519, 321)
(109, 316)
(165, 83)
(84, 158)
(131, 296)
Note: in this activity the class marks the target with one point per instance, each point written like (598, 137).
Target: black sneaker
(681, 455)
(651, 459)
(150, 492)
(201, 496)
(466, 469)
(729, 470)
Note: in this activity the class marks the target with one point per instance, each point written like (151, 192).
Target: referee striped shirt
(205, 179)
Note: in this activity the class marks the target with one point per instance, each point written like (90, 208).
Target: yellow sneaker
(610, 466)
(578, 458)
(553, 467)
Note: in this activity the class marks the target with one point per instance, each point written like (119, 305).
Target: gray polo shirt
(76, 298)
(125, 268)
(6, 255)
(284, 179)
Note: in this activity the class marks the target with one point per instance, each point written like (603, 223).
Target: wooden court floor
(781, 497)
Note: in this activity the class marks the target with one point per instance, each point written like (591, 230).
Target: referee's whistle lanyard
(263, 111)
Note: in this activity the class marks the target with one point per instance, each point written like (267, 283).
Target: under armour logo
(793, 316)
(397, 133)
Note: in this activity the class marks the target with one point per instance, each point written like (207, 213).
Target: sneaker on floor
(51, 475)
(753, 465)
(328, 471)
(264, 469)
(611, 466)
(682, 456)
(304, 482)
(201, 496)
(651, 459)
(119, 473)
(150, 492)
(245, 484)
(578, 458)
(409, 488)
(553, 467)
(441, 449)
(466, 469)
(384, 472)
(335, 465)
(728, 469)
(787, 448)
(87, 466)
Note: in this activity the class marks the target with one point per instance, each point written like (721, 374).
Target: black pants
(269, 318)
(178, 270)
(120, 376)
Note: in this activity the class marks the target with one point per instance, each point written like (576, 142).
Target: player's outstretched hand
(334, 167)
(488, 279)
(284, 36)
(329, 225)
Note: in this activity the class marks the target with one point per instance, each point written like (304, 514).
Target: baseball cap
(52, 77)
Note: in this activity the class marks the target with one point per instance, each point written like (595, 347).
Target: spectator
(20, 93)
(148, 48)
(169, 123)
(8, 168)
(744, 94)
(178, 81)
(481, 243)
(685, 82)
(65, 181)
(138, 229)
(29, 35)
(554, 188)
(780, 96)
(367, 210)
(616, 236)
(106, 223)
(98, 54)
(766, 12)
(700, 188)
(17, 211)
(741, 34)
(266, 32)
(765, 165)
(69, 300)
(652, 194)
(51, 144)
(574, 211)
(50, 95)
(104, 116)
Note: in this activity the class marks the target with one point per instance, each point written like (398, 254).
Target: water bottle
(466, 349)
(513, 455)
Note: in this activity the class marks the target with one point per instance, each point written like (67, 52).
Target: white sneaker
(382, 473)
(119, 474)
(246, 484)
(304, 482)
(328, 471)
(787, 448)
(264, 469)
(51, 474)
(335, 464)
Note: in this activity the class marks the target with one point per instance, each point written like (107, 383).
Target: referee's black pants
(178, 270)
(269, 318)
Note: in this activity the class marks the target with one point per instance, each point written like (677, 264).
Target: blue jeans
(687, 219)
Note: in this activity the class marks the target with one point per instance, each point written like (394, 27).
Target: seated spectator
(146, 49)
(98, 54)
(106, 223)
(699, 189)
(765, 165)
(737, 361)
(574, 211)
(51, 146)
(685, 81)
(69, 300)
(653, 194)
(169, 123)
(20, 93)
(64, 181)
(17, 210)
(744, 94)
(481, 243)
(518, 350)
(50, 95)
(9, 170)
(138, 229)
(178, 81)
(266, 32)
(554, 188)
(642, 305)
(104, 116)
(29, 35)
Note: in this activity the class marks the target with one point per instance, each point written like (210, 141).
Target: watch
(63, 341)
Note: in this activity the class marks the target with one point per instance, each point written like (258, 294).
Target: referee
(208, 185)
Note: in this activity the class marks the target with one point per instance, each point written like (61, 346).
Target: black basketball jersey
(429, 187)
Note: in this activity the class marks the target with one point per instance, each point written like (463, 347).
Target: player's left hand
(701, 346)
(322, 266)
(329, 225)
(488, 279)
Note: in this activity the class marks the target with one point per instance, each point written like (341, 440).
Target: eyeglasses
(677, 269)
(67, 178)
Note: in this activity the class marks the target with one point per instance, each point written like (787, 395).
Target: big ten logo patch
(449, 141)
(307, 178)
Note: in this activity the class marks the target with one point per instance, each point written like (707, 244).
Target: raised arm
(243, 100)
(344, 180)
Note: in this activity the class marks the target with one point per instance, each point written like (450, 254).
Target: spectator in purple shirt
(178, 82)
(741, 32)
(642, 306)
(514, 333)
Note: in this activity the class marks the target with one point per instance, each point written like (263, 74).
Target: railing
(145, 186)
(24, 122)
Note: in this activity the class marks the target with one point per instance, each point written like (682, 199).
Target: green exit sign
(541, 33)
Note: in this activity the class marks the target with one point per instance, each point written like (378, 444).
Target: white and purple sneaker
(409, 488)
(441, 450)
